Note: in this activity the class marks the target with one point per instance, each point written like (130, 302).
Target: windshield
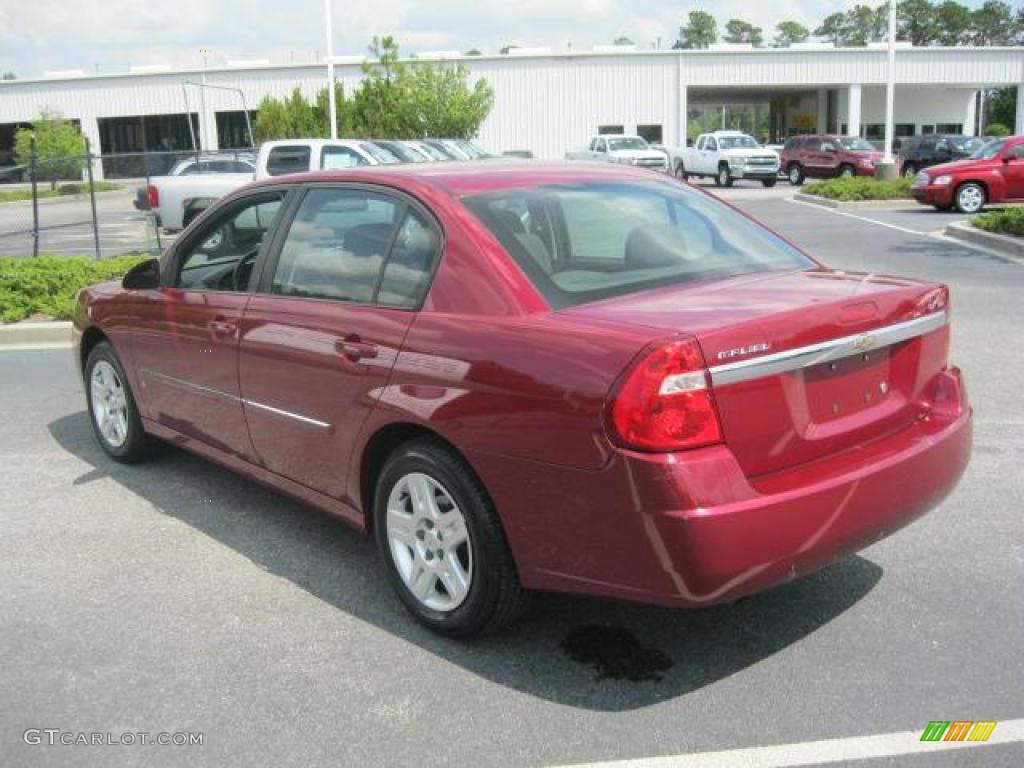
(853, 144)
(737, 142)
(592, 240)
(967, 144)
(990, 150)
(381, 155)
(630, 142)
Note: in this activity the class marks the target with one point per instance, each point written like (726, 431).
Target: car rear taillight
(663, 402)
(153, 195)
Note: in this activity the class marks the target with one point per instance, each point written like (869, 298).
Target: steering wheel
(243, 271)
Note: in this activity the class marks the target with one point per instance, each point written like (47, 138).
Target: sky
(111, 35)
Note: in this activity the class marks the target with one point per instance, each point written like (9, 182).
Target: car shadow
(559, 651)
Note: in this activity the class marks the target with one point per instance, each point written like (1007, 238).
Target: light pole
(890, 86)
(330, 70)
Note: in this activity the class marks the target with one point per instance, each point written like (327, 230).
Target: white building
(548, 101)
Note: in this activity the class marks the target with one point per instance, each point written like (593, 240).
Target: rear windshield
(592, 240)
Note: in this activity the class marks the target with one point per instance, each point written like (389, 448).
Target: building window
(926, 129)
(877, 130)
(949, 128)
(650, 133)
(605, 130)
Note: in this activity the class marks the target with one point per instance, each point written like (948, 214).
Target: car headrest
(655, 246)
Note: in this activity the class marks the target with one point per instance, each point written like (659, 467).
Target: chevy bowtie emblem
(864, 342)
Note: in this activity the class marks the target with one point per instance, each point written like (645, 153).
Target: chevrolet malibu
(576, 378)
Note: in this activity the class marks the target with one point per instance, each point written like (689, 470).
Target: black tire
(680, 172)
(975, 193)
(795, 174)
(724, 176)
(769, 182)
(137, 445)
(846, 172)
(909, 170)
(495, 596)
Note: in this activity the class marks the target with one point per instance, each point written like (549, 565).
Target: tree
(443, 104)
(622, 41)
(291, 118)
(833, 29)
(916, 22)
(380, 105)
(992, 24)
(60, 147)
(700, 32)
(1001, 106)
(952, 23)
(789, 32)
(860, 25)
(739, 31)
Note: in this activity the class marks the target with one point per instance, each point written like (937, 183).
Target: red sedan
(521, 377)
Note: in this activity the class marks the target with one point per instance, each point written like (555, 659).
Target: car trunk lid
(803, 364)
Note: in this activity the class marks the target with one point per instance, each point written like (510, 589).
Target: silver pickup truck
(626, 150)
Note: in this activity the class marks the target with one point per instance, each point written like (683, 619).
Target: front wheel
(443, 544)
(970, 197)
(112, 409)
(724, 176)
(847, 172)
(768, 182)
(909, 171)
(795, 174)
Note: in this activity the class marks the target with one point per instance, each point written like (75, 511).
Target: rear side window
(357, 246)
(592, 240)
(282, 160)
(793, 143)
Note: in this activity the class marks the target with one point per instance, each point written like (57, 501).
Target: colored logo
(958, 730)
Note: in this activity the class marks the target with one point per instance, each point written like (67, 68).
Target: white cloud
(109, 35)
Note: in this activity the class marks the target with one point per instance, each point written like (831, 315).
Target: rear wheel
(910, 170)
(681, 173)
(443, 544)
(112, 410)
(970, 197)
(768, 182)
(847, 172)
(724, 176)
(795, 174)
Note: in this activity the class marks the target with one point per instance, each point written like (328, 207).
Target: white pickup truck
(627, 150)
(725, 156)
(176, 200)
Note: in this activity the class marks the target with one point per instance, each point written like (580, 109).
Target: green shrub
(1009, 221)
(48, 284)
(860, 188)
(73, 188)
(996, 129)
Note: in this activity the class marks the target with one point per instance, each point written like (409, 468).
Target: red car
(581, 378)
(827, 157)
(993, 174)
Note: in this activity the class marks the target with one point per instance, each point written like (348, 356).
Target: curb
(63, 198)
(36, 334)
(1004, 244)
(824, 202)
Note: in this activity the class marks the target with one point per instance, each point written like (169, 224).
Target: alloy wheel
(970, 198)
(429, 542)
(109, 404)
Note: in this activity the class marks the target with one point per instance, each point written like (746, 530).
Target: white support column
(1019, 120)
(681, 113)
(822, 125)
(853, 110)
(970, 113)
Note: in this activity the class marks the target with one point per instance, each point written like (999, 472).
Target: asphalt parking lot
(178, 597)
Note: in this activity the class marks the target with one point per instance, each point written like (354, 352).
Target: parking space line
(820, 752)
(849, 215)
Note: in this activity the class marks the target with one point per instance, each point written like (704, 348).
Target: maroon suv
(826, 156)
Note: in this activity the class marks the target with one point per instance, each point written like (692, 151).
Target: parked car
(400, 150)
(657, 400)
(176, 200)
(725, 156)
(993, 174)
(621, 149)
(828, 156)
(448, 151)
(190, 166)
(920, 152)
(428, 150)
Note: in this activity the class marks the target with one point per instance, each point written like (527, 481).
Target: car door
(185, 346)
(1012, 171)
(321, 335)
(709, 156)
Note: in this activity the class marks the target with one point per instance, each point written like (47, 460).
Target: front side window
(221, 256)
(358, 246)
(610, 239)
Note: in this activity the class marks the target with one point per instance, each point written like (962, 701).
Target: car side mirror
(142, 277)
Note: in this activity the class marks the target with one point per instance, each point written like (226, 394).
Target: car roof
(474, 176)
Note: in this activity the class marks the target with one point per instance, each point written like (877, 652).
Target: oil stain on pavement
(616, 654)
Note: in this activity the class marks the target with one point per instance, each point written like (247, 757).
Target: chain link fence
(56, 205)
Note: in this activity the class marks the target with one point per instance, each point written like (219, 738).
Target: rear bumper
(692, 529)
(934, 195)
